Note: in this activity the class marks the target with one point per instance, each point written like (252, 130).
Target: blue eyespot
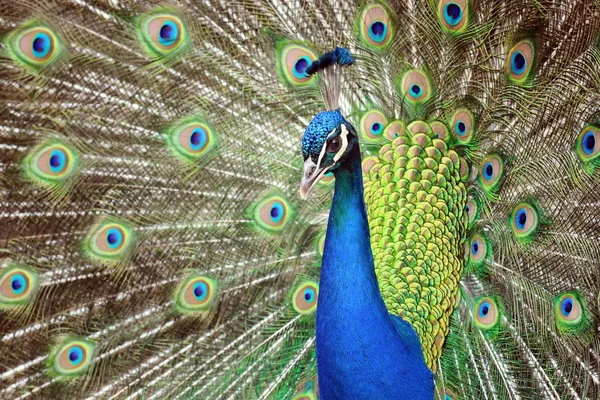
(300, 67)
(488, 171)
(566, 306)
(467, 209)
(41, 45)
(416, 91)
(518, 63)
(276, 212)
(378, 31)
(475, 247)
(484, 309)
(114, 238)
(460, 128)
(200, 291)
(169, 32)
(588, 142)
(452, 14)
(376, 128)
(309, 294)
(521, 218)
(197, 139)
(18, 283)
(57, 161)
(75, 355)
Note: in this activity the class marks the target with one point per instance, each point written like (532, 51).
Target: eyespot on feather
(305, 296)
(18, 285)
(453, 15)
(376, 27)
(293, 60)
(520, 60)
(51, 163)
(196, 293)
(463, 125)
(569, 313)
(415, 86)
(394, 129)
(490, 172)
(524, 221)
(478, 249)
(372, 125)
(110, 241)
(162, 33)
(71, 358)
(193, 139)
(272, 213)
(486, 313)
(587, 144)
(35, 45)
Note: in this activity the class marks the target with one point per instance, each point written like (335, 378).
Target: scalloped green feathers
(35, 46)
(490, 175)
(453, 15)
(372, 126)
(376, 25)
(192, 139)
(587, 147)
(271, 213)
(111, 241)
(162, 33)
(71, 358)
(570, 313)
(292, 59)
(18, 286)
(52, 164)
(520, 62)
(487, 313)
(196, 293)
(394, 129)
(440, 130)
(305, 296)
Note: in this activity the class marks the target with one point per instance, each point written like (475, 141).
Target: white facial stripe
(344, 136)
(324, 148)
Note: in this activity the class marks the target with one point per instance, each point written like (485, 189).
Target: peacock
(269, 199)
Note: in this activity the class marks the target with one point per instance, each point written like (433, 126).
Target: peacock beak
(311, 174)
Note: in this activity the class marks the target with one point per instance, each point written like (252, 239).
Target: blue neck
(362, 352)
(347, 257)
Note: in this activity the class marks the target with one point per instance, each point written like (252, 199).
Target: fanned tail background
(152, 241)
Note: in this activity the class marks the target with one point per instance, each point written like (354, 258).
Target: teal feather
(99, 90)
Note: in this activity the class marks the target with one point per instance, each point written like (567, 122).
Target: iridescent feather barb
(153, 244)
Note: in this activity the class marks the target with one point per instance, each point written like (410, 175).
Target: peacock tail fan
(152, 241)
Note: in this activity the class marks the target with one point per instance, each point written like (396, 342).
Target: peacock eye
(304, 298)
(73, 357)
(162, 34)
(17, 286)
(334, 145)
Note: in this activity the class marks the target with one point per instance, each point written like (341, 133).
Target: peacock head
(326, 143)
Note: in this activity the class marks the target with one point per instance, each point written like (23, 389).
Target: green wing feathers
(153, 244)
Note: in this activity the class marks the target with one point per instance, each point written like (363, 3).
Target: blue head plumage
(317, 131)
